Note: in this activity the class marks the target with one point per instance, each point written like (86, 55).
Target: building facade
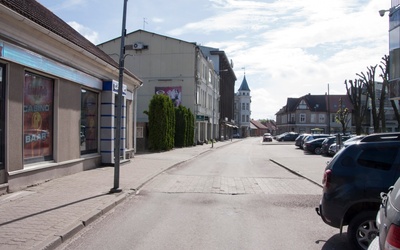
(227, 78)
(394, 50)
(312, 114)
(243, 109)
(180, 69)
(57, 99)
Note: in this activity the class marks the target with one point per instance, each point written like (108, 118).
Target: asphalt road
(248, 195)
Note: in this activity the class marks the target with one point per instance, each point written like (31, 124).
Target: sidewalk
(44, 216)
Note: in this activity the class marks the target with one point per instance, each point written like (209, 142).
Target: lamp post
(329, 113)
(117, 150)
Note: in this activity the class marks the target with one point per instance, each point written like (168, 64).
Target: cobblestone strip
(231, 185)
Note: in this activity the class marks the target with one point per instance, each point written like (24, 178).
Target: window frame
(47, 133)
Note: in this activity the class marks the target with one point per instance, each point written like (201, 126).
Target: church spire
(244, 86)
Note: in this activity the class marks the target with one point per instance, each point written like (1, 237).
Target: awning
(230, 125)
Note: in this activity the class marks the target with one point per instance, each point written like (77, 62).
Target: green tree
(161, 123)
(342, 116)
(190, 126)
(181, 126)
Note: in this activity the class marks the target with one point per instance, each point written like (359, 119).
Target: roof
(37, 13)
(244, 86)
(258, 124)
(153, 34)
(318, 103)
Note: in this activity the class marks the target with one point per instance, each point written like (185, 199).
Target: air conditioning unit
(138, 45)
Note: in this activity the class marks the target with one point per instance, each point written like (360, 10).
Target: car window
(378, 157)
(347, 161)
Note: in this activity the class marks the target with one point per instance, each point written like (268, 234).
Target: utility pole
(329, 114)
(117, 147)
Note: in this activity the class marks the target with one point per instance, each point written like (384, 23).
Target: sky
(285, 48)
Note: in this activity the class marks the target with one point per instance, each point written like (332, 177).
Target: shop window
(2, 115)
(38, 118)
(89, 122)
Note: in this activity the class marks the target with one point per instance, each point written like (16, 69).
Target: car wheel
(362, 230)
(317, 150)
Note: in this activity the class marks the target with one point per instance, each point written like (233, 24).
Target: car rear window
(378, 157)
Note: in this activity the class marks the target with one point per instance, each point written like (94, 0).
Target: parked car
(326, 143)
(331, 140)
(352, 183)
(388, 220)
(314, 146)
(237, 135)
(333, 148)
(267, 137)
(312, 137)
(299, 140)
(288, 136)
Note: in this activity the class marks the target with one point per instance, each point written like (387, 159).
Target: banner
(38, 117)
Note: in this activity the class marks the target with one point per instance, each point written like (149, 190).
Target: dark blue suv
(353, 181)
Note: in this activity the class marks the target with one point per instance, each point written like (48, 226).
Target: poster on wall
(175, 93)
(38, 117)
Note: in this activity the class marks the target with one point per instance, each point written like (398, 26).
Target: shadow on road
(337, 241)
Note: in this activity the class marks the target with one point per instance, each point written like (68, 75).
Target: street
(246, 195)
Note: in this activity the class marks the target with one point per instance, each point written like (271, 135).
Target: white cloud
(289, 48)
(89, 34)
(157, 20)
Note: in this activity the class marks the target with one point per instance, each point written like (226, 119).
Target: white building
(243, 108)
(170, 66)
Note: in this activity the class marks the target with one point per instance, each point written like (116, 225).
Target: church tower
(243, 108)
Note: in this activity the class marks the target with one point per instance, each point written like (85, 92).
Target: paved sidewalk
(44, 216)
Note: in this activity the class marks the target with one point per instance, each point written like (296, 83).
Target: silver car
(388, 220)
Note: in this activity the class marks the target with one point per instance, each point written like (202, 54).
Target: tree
(369, 83)
(355, 93)
(342, 116)
(385, 82)
(184, 127)
(190, 141)
(161, 123)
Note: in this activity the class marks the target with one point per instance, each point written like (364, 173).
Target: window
(333, 117)
(243, 118)
(302, 118)
(302, 105)
(247, 106)
(313, 118)
(243, 106)
(89, 122)
(38, 118)
(247, 118)
(2, 115)
(379, 158)
(321, 118)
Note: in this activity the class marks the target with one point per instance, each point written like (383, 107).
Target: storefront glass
(38, 118)
(89, 122)
(2, 115)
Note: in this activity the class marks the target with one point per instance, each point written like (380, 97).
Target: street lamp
(117, 150)
(391, 10)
